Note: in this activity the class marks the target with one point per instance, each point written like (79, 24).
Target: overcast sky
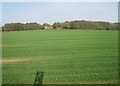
(50, 12)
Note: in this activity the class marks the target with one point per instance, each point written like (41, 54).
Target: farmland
(65, 56)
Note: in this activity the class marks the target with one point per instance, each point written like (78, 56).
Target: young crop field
(64, 56)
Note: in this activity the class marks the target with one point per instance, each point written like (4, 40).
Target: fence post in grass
(38, 79)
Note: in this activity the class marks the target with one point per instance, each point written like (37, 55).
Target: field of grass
(65, 56)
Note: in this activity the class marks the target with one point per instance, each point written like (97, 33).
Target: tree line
(82, 24)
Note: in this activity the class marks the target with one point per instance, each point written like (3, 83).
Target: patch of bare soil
(12, 60)
(6, 45)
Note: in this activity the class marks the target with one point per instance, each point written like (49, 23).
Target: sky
(50, 12)
(60, 0)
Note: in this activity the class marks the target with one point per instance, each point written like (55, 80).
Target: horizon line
(61, 21)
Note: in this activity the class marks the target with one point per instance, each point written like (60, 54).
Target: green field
(65, 56)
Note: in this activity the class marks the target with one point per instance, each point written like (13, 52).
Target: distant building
(46, 27)
(49, 27)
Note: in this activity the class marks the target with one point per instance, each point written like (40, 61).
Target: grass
(65, 56)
